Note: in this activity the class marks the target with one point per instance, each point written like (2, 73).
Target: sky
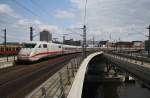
(124, 20)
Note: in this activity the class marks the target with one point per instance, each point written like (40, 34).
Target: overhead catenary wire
(39, 7)
(27, 9)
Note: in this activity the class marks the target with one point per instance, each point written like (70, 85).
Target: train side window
(13, 49)
(6, 49)
(59, 46)
(2, 49)
(9, 49)
(44, 46)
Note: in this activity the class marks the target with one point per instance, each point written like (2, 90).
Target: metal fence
(59, 84)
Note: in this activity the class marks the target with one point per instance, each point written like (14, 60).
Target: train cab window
(44, 46)
(59, 46)
(28, 45)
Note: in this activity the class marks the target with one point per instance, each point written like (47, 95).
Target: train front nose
(24, 54)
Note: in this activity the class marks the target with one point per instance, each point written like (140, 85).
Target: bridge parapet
(134, 57)
(136, 68)
(134, 60)
(77, 86)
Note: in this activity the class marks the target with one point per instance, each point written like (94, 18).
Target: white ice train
(33, 51)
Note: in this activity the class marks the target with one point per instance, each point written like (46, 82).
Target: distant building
(45, 36)
(124, 44)
(72, 42)
(138, 44)
(105, 44)
(102, 43)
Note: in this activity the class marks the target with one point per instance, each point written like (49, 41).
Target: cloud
(7, 15)
(18, 27)
(63, 14)
(23, 22)
(37, 25)
(5, 9)
(117, 17)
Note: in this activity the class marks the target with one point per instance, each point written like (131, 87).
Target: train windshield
(28, 45)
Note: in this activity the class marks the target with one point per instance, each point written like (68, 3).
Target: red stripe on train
(48, 53)
(8, 52)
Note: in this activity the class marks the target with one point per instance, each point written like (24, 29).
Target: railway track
(19, 81)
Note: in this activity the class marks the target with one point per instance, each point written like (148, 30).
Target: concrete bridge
(77, 87)
(94, 70)
(96, 65)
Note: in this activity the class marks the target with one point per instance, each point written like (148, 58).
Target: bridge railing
(77, 86)
(138, 58)
(137, 69)
(57, 85)
(131, 59)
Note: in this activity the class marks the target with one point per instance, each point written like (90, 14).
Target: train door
(42, 50)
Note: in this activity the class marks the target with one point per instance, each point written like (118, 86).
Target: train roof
(11, 43)
(43, 42)
(35, 42)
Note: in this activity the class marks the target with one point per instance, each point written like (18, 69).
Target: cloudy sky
(106, 19)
